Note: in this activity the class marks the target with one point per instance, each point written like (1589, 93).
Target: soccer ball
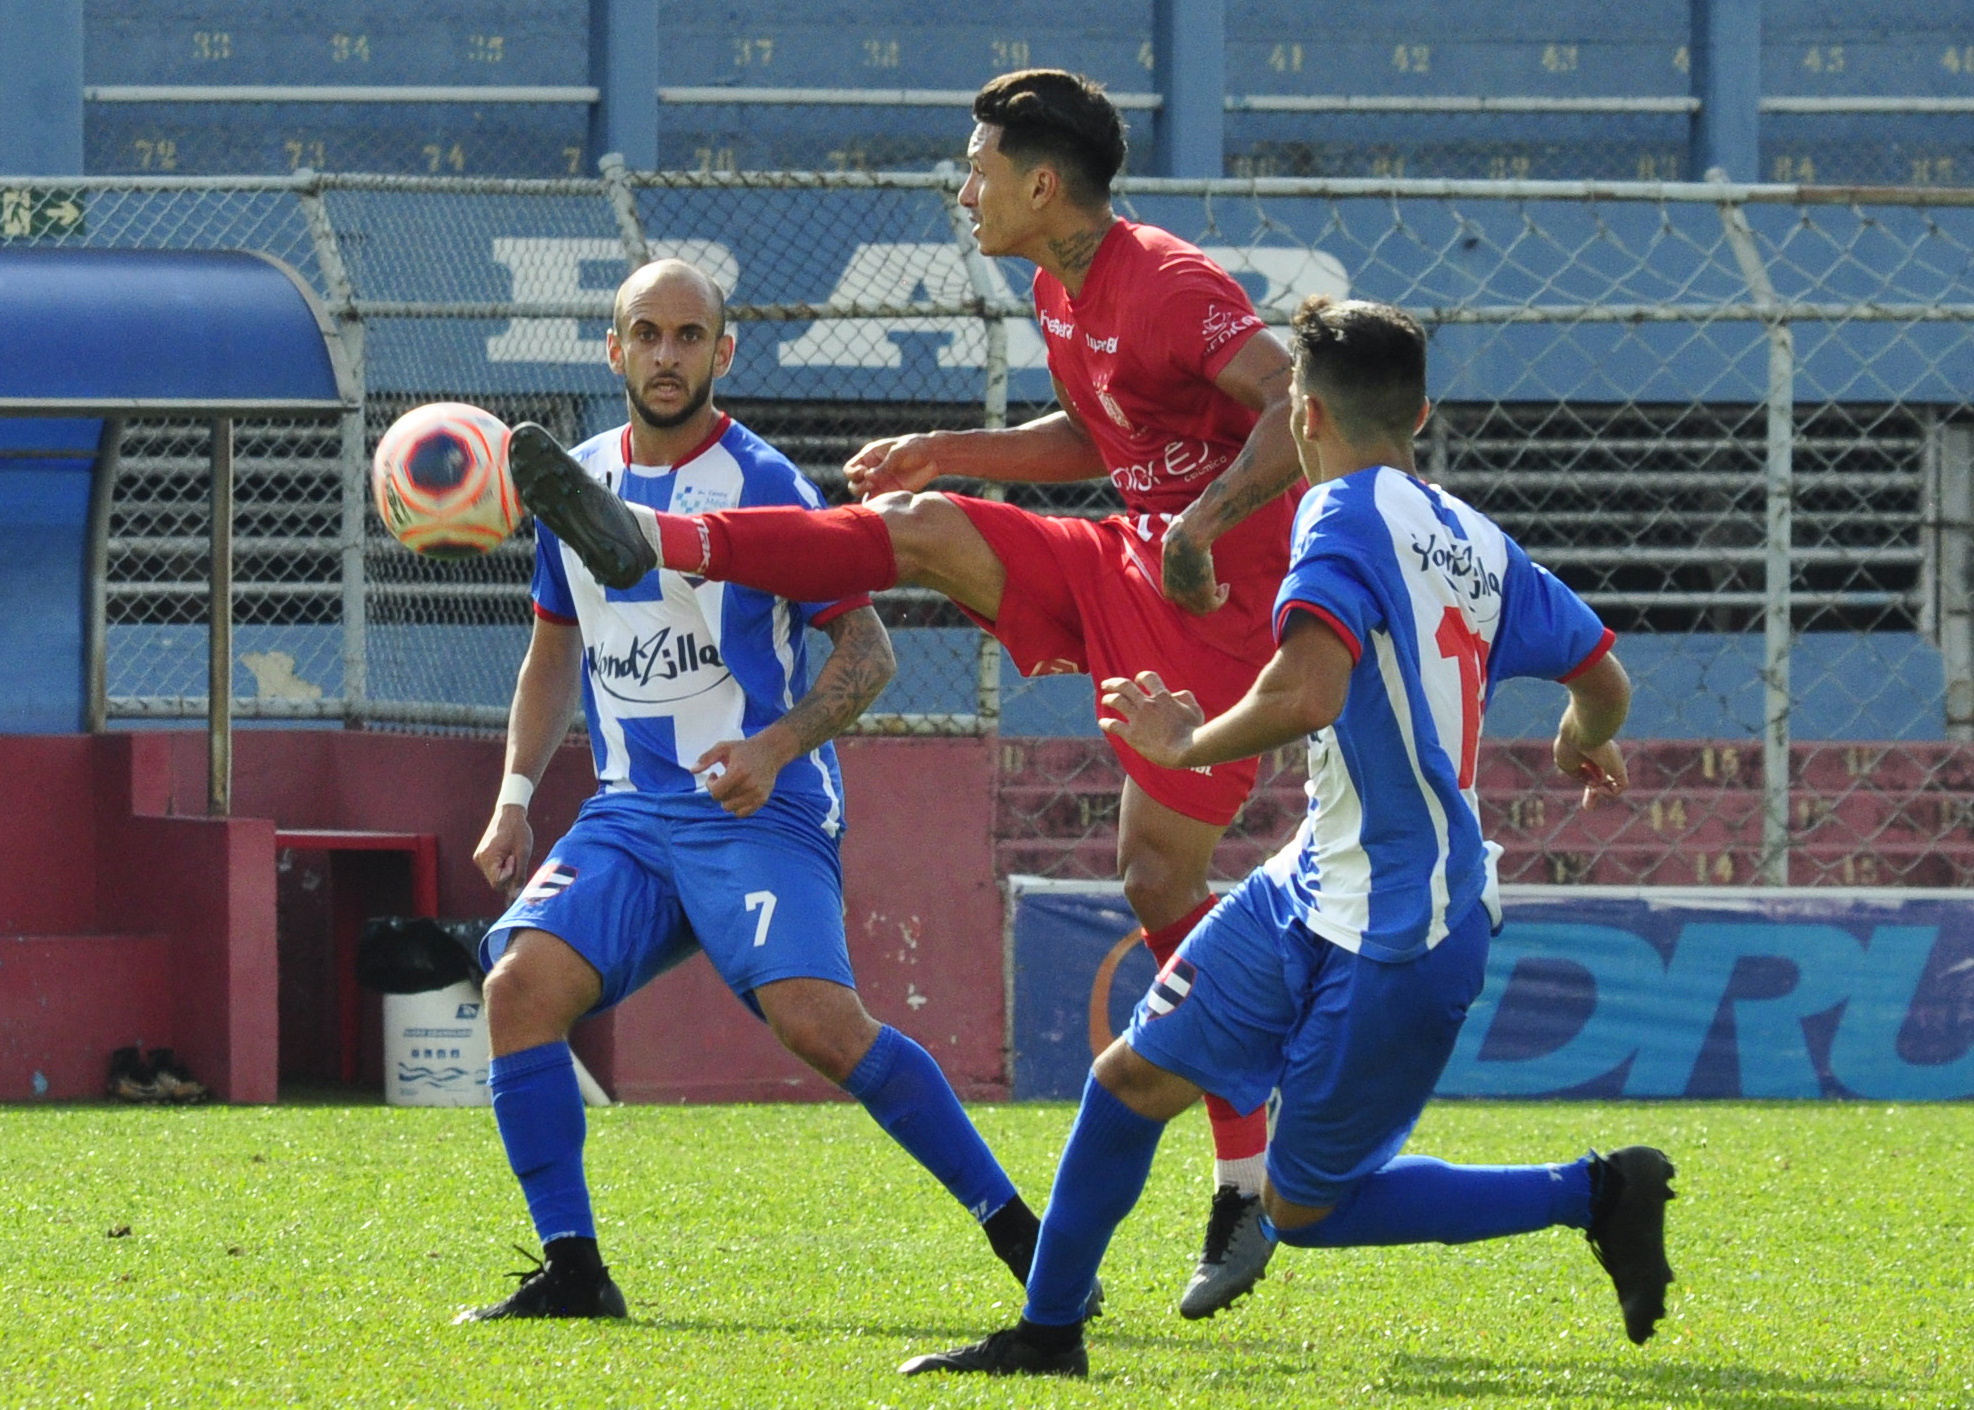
(441, 483)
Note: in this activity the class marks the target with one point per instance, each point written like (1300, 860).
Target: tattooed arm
(1259, 378)
(860, 665)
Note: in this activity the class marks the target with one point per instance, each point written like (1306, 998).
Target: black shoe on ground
(1627, 1232)
(175, 1082)
(131, 1078)
(583, 513)
(1013, 1231)
(556, 1288)
(1234, 1258)
(1021, 1350)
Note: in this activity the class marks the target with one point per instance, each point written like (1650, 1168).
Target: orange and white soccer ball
(441, 483)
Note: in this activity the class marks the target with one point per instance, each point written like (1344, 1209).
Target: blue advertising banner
(1599, 992)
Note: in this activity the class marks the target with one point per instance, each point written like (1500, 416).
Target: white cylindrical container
(435, 1048)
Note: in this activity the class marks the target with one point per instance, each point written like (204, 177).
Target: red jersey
(1136, 353)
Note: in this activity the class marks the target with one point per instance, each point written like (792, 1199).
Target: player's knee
(527, 1004)
(1295, 1223)
(1152, 888)
(917, 524)
(830, 1041)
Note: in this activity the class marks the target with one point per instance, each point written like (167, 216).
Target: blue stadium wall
(1378, 48)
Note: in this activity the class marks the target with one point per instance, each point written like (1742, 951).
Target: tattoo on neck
(1074, 252)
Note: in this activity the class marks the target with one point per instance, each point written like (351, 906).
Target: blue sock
(1418, 1200)
(539, 1110)
(906, 1093)
(1102, 1174)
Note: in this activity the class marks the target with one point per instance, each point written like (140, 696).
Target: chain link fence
(1736, 418)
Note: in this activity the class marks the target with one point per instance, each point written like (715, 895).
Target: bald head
(673, 287)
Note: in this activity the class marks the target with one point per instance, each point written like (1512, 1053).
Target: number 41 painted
(764, 902)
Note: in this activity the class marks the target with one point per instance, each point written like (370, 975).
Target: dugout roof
(188, 332)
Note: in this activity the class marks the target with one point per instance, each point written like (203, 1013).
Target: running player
(718, 820)
(1169, 385)
(1340, 971)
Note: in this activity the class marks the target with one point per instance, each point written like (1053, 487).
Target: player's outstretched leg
(1234, 1256)
(1102, 1173)
(801, 554)
(539, 1110)
(1619, 1201)
(1628, 1232)
(583, 513)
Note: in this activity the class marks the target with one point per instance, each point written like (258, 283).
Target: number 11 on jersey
(1462, 645)
(764, 902)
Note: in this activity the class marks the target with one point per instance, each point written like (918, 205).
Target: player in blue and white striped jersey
(718, 817)
(1340, 971)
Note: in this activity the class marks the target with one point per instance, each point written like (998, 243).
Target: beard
(696, 399)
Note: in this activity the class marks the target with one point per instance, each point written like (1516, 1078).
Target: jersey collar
(719, 429)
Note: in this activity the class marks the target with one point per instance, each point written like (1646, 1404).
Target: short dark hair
(1367, 361)
(1060, 117)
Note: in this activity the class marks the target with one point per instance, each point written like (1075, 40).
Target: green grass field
(792, 1256)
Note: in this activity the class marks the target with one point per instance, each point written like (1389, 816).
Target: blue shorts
(641, 881)
(1355, 1045)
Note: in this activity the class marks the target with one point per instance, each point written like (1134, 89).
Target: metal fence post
(987, 686)
(219, 628)
(1951, 453)
(623, 205)
(1779, 485)
(355, 463)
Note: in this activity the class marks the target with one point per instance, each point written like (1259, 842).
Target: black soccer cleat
(1013, 1231)
(555, 1289)
(584, 514)
(1018, 1351)
(1628, 1232)
(131, 1078)
(175, 1082)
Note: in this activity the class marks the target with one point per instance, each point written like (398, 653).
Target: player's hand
(505, 849)
(1156, 722)
(740, 773)
(896, 463)
(1601, 769)
(1186, 573)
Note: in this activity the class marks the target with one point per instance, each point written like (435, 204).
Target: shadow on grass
(1476, 1379)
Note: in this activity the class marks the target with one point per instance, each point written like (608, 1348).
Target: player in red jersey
(1169, 386)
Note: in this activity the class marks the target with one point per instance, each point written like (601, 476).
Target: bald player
(718, 816)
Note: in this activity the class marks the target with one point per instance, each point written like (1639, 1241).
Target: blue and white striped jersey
(675, 665)
(1437, 605)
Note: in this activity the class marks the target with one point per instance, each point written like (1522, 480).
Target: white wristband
(516, 789)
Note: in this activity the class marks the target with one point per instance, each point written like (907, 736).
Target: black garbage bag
(415, 954)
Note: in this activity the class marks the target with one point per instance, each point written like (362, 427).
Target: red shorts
(1082, 597)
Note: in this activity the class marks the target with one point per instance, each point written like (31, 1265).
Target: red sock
(805, 555)
(1235, 1137)
(1164, 942)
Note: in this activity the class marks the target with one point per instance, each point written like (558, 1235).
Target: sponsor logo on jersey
(1169, 990)
(700, 499)
(551, 881)
(642, 668)
(1181, 460)
(1221, 324)
(1459, 564)
(1055, 327)
(1114, 411)
(1102, 345)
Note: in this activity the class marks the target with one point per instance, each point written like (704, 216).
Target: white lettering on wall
(550, 269)
(908, 274)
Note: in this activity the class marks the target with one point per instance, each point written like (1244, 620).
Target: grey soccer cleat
(584, 514)
(1235, 1257)
(1628, 1232)
(555, 1289)
(1016, 1351)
